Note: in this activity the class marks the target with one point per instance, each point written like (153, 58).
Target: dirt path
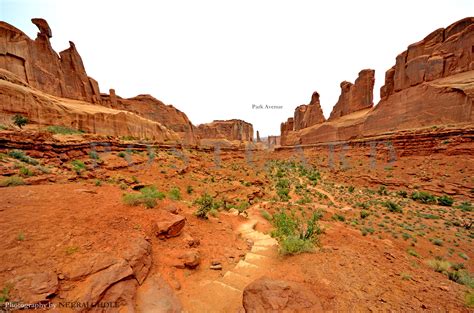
(224, 294)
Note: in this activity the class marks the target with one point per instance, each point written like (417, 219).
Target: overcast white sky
(213, 59)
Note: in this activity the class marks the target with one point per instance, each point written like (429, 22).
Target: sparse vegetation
(147, 196)
(12, 181)
(205, 205)
(293, 235)
(20, 120)
(21, 156)
(266, 215)
(445, 201)
(78, 166)
(174, 193)
(393, 207)
(63, 130)
(189, 189)
(423, 197)
(71, 250)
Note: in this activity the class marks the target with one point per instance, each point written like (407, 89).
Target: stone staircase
(225, 293)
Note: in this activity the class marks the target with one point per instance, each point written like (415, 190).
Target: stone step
(271, 251)
(266, 242)
(256, 259)
(256, 236)
(247, 227)
(235, 280)
(246, 269)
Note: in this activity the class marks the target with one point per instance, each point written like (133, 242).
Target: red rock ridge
(357, 96)
(230, 129)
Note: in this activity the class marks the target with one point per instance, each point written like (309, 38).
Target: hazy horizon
(213, 59)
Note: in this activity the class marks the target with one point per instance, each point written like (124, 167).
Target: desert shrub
(11, 181)
(283, 189)
(402, 193)
(3, 127)
(294, 235)
(94, 155)
(465, 206)
(351, 189)
(19, 120)
(413, 253)
(393, 207)
(174, 193)
(445, 200)
(367, 230)
(20, 155)
(364, 214)
(147, 196)
(63, 130)
(78, 166)
(5, 294)
(423, 197)
(313, 176)
(338, 217)
(25, 172)
(122, 154)
(469, 299)
(189, 190)
(439, 265)
(266, 215)
(205, 205)
(437, 242)
(382, 191)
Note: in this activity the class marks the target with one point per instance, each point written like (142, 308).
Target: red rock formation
(273, 140)
(309, 115)
(39, 65)
(258, 136)
(16, 97)
(154, 110)
(432, 83)
(442, 53)
(229, 129)
(355, 97)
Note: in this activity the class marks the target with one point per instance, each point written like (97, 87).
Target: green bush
(338, 217)
(11, 181)
(63, 130)
(174, 194)
(94, 155)
(465, 206)
(147, 196)
(20, 155)
(78, 166)
(393, 207)
(205, 205)
(364, 214)
(19, 120)
(445, 200)
(423, 197)
(122, 154)
(266, 215)
(189, 190)
(293, 235)
(351, 189)
(25, 172)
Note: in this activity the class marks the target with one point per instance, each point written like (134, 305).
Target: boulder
(191, 259)
(168, 227)
(138, 255)
(34, 287)
(121, 294)
(268, 295)
(156, 295)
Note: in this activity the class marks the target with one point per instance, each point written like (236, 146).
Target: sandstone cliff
(309, 114)
(229, 129)
(42, 109)
(35, 62)
(431, 84)
(355, 97)
(154, 110)
(39, 66)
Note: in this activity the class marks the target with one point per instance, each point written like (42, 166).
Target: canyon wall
(155, 110)
(355, 97)
(229, 129)
(36, 64)
(431, 84)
